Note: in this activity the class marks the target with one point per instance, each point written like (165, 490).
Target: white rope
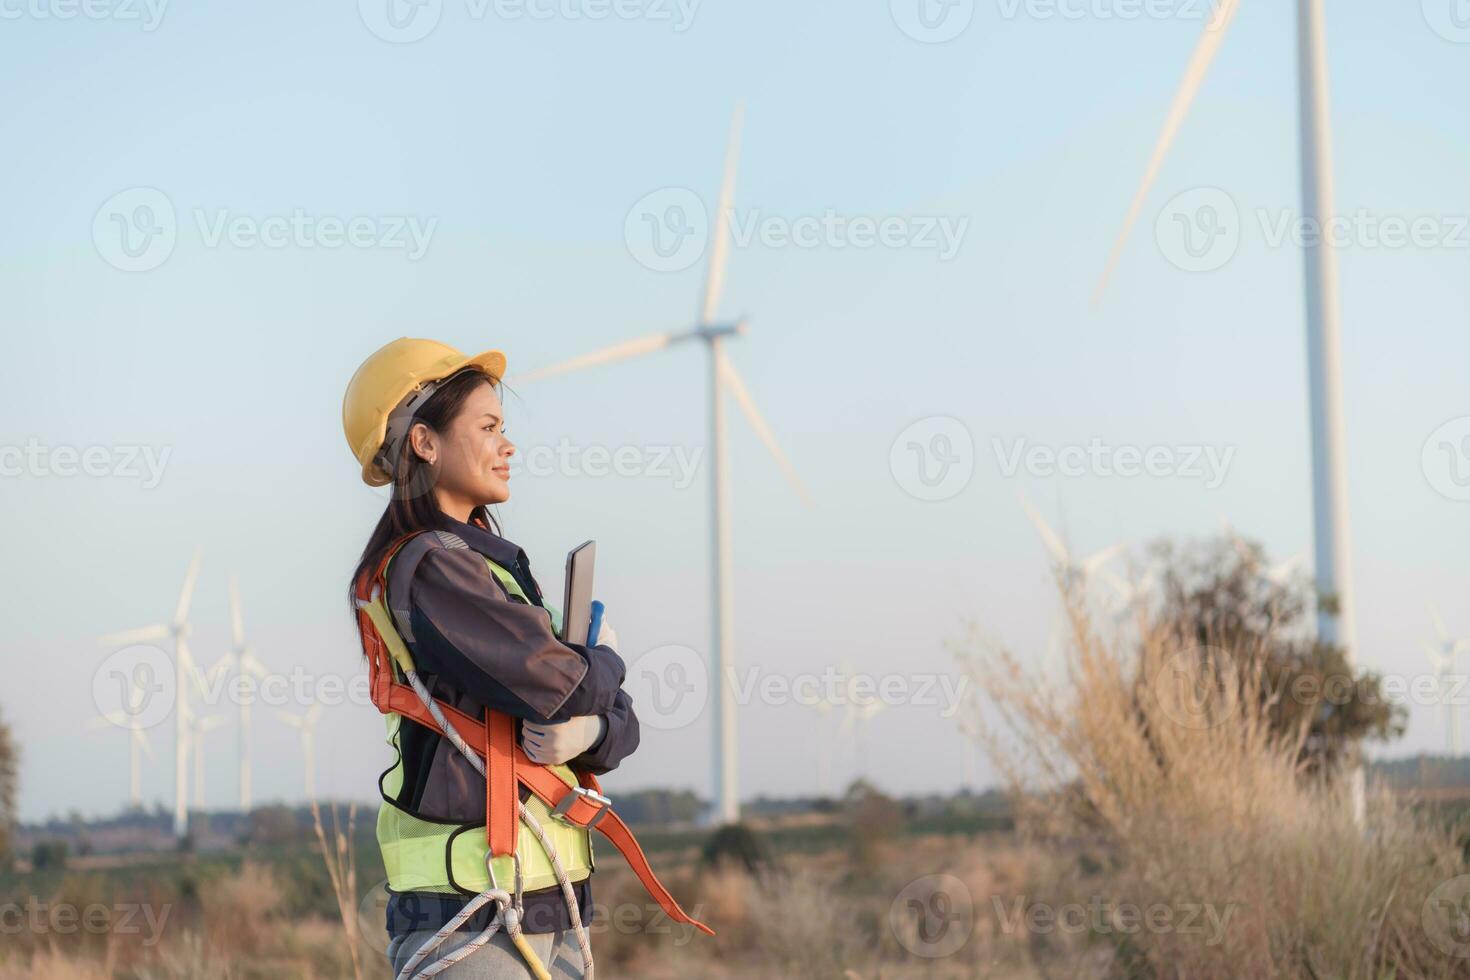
(510, 911)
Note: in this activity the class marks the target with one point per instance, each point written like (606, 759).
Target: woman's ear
(424, 443)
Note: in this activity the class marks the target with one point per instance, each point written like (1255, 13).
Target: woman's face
(472, 457)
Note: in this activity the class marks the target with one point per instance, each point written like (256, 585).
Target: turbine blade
(758, 423)
(1439, 626)
(254, 666)
(1098, 559)
(293, 720)
(1199, 65)
(237, 625)
(127, 638)
(1048, 536)
(719, 252)
(607, 355)
(186, 594)
(141, 734)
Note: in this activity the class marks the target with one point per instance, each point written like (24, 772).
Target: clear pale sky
(525, 142)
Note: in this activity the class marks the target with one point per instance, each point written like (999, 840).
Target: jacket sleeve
(618, 742)
(502, 652)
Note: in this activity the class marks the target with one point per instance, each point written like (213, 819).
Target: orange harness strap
(508, 766)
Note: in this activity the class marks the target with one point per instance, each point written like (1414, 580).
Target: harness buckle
(604, 805)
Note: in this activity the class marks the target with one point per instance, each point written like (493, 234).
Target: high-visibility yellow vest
(448, 857)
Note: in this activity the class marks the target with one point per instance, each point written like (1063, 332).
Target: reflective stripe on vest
(432, 856)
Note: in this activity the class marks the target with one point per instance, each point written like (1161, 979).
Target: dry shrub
(238, 909)
(1166, 759)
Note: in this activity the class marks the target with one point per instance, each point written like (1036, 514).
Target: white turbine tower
(823, 710)
(1443, 655)
(198, 728)
(1335, 620)
(186, 677)
(138, 746)
(855, 721)
(722, 378)
(244, 664)
(306, 725)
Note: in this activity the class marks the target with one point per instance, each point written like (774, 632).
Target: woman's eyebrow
(490, 415)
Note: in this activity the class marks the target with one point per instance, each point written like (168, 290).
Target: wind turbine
(1132, 593)
(855, 722)
(1278, 574)
(1335, 618)
(245, 665)
(722, 378)
(1443, 656)
(1335, 621)
(138, 745)
(185, 676)
(1073, 570)
(823, 709)
(306, 725)
(198, 728)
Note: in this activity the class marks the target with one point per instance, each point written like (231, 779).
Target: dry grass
(1169, 767)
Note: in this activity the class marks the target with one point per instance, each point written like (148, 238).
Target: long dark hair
(414, 506)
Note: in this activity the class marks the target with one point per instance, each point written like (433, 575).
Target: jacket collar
(506, 554)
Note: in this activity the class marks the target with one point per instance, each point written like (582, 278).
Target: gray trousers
(496, 960)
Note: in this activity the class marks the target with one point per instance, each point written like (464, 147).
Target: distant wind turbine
(722, 378)
(186, 677)
(198, 728)
(138, 745)
(1074, 570)
(306, 725)
(1443, 654)
(242, 660)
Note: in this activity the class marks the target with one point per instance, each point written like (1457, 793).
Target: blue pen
(596, 625)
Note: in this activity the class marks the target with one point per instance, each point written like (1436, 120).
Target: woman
(425, 418)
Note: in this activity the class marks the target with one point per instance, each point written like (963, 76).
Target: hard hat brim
(492, 362)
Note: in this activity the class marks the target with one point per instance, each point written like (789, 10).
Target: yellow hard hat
(389, 376)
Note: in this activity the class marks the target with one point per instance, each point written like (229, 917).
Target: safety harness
(490, 745)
